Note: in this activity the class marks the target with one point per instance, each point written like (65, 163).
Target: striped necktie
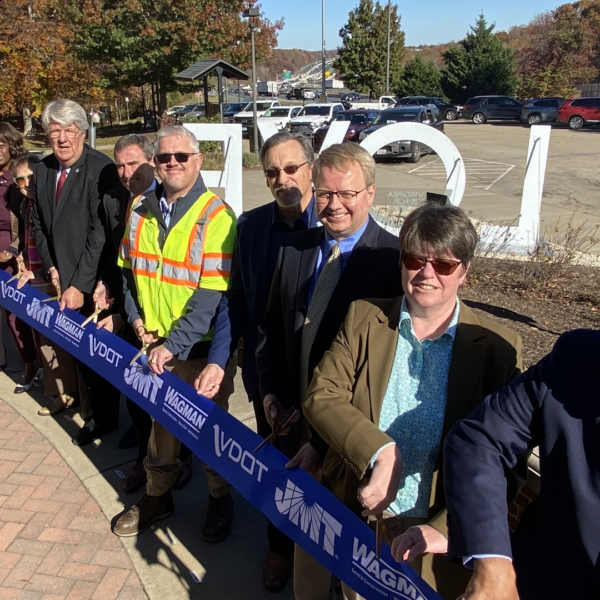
(328, 279)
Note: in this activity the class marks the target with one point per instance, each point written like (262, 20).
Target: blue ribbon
(291, 499)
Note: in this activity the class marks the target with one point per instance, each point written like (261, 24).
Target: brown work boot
(147, 511)
(219, 518)
(277, 569)
(63, 401)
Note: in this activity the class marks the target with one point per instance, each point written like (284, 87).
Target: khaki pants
(162, 463)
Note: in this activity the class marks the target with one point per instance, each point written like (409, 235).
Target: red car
(359, 119)
(577, 112)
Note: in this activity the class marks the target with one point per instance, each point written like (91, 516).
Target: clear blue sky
(423, 22)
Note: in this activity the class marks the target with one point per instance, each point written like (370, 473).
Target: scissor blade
(57, 298)
(378, 535)
(14, 277)
(266, 441)
(134, 359)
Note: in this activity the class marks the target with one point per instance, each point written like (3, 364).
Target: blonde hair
(338, 156)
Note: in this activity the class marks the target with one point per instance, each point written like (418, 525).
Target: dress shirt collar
(406, 319)
(346, 245)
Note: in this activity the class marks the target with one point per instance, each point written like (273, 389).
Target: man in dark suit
(287, 161)
(363, 260)
(67, 226)
(555, 549)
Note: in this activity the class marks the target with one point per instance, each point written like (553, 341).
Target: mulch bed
(538, 303)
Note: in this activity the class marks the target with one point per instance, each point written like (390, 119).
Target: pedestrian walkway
(54, 540)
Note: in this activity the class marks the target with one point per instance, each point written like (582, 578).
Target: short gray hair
(281, 138)
(338, 156)
(135, 139)
(439, 230)
(177, 131)
(65, 112)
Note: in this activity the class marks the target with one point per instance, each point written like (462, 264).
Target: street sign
(198, 94)
(286, 75)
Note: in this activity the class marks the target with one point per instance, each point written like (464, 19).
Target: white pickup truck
(384, 102)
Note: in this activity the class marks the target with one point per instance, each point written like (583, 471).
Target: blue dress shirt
(413, 410)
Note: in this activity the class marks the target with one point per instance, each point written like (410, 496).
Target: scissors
(93, 316)
(144, 350)
(380, 533)
(20, 271)
(277, 429)
(58, 294)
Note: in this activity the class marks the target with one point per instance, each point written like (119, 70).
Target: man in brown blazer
(364, 464)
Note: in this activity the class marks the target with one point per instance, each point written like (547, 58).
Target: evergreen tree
(363, 55)
(479, 64)
(420, 78)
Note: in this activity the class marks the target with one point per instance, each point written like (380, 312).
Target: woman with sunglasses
(11, 229)
(400, 373)
(27, 258)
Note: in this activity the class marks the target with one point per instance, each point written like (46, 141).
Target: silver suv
(313, 116)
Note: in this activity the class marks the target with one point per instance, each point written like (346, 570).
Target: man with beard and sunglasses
(399, 374)
(287, 161)
(176, 261)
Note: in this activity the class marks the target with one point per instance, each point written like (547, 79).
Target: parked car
(312, 116)
(450, 111)
(359, 121)
(186, 109)
(280, 115)
(540, 110)
(578, 112)
(429, 115)
(197, 113)
(490, 108)
(351, 97)
(233, 108)
(171, 111)
(246, 116)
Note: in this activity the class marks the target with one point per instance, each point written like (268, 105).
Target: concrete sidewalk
(57, 502)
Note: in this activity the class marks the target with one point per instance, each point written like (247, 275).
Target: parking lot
(495, 157)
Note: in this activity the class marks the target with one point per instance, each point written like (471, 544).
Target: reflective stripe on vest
(166, 279)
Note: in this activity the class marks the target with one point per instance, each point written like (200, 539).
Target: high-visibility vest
(196, 253)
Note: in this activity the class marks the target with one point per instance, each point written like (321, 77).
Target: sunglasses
(289, 170)
(442, 266)
(23, 180)
(180, 157)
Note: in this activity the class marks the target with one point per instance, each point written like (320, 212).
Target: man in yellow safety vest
(176, 260)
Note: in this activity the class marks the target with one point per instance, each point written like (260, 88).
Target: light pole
(251, 13)
(387, 71)
(323, 93)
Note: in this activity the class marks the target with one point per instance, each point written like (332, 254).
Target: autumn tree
(559, 55)
(37, 61)
(420, 78)
(363, 54)
(479, 64)
(146, 41)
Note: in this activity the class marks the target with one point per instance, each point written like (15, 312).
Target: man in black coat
(357, 259)
(287, 161)
(555, 550)
(68, 230)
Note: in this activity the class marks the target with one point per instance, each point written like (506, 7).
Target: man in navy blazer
(287, 161)
(555, 550)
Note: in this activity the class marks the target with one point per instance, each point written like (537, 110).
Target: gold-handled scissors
(20, 271)
(93, 316)
(58, 294)
(277, 429)
(144, 350)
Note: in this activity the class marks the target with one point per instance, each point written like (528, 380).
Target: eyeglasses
(289, 170)
(54, 134)
(180, 157)
(442, 266)
(23, 180)
(344, 196)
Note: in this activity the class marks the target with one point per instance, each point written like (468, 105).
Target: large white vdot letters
(230, 178)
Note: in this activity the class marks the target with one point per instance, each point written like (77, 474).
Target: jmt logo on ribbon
(291, 499)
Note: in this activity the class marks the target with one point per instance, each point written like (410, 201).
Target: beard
(288, 197)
